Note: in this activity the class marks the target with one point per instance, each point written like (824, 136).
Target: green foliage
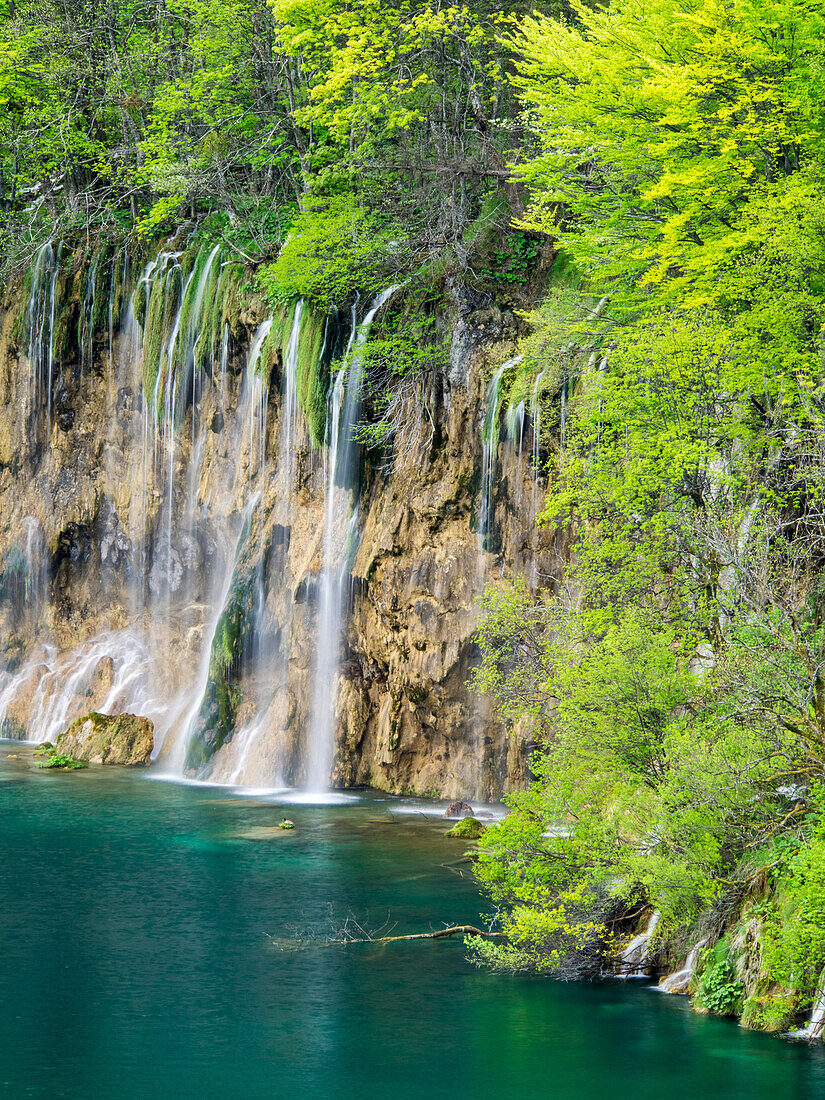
(59, 760)
(770, 1012)
(795, 940)
(678, 700)
(515, 261)
(718, 990)
(407, 347)
(335, 248)
(662, 133)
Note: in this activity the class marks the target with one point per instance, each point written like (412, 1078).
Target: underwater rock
(109, 739)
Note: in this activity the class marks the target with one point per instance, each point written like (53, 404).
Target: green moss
(313, 373)
(467, 829)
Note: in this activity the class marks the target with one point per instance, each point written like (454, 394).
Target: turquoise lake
(162, 940)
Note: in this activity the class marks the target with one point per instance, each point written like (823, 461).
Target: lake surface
(157, 941)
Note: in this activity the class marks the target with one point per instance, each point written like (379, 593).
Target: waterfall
(489, 450)
(249, 757)
(194, 697)
(535, 420)
(339, 541)
(40, 312)
(679, 981)
(489, 453)
(514, 423)
(247, 437)
(634, 956)
(165, 542)
(814, 1029)
(87, 317)
(816, 1024)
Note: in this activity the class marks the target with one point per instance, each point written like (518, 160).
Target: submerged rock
(459, 809)
(109, 739)
(467, 829)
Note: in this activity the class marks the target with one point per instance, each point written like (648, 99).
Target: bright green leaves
(679, 697)
(376, 70)
(335, 247)
(661, 127)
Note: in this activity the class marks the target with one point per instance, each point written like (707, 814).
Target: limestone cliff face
(164, 520)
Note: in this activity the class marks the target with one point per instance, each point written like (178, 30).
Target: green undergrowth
(718, 989)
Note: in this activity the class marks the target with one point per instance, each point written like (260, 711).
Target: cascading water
(635, 955)
(249, 758)
(175, 549)
(339, 541)
(679, 981)
(514, 420)
(535, 420)
(40, 328)
(489, 440)
(814, 1029)
(169, 534)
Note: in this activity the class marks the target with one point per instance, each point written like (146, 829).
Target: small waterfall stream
(249, 756)
(814, 1030)
(679, 981)
(635, 954)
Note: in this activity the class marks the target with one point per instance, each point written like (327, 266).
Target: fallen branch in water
(442, 933)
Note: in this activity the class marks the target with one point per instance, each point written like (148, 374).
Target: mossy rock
(109, 739)
(45, 748)
(469, 828)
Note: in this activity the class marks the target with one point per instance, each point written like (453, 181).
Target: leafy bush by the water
(718, 990)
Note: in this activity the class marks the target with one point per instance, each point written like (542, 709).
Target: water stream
(339, 543)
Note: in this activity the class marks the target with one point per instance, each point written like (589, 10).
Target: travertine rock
(109, 739)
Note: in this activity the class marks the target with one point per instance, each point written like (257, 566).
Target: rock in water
(459, 809)
(467, 829)
(109, 739)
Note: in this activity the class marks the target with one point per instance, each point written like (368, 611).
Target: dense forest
(667, 156)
